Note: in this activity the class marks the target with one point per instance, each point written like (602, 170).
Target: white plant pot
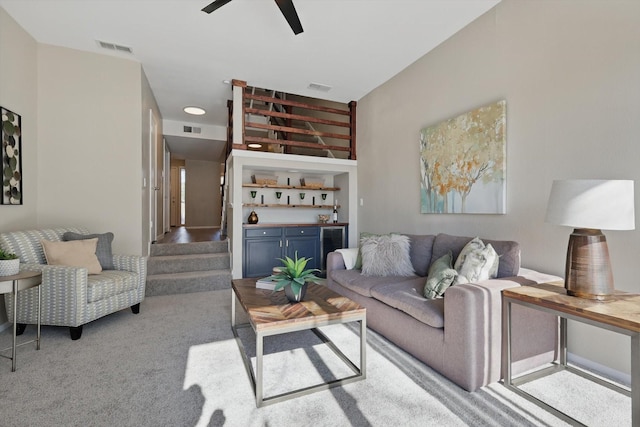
(9, 267)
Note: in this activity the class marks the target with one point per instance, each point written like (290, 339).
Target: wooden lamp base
(588, 270)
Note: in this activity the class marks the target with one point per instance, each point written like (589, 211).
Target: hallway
(190, 235)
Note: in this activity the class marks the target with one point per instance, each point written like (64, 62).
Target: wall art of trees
(462, 163)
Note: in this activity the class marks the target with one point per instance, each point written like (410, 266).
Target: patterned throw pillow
(103, 250)
(477, 262)
(441, 276)
(386, 255)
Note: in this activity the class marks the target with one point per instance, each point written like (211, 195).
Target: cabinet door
(261, 255)
(306, 246)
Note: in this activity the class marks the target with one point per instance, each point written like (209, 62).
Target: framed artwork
(463, 163)
(11, 158)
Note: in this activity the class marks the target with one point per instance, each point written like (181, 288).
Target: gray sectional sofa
(459, 335)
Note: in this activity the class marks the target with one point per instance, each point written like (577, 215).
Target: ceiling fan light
(196, 111)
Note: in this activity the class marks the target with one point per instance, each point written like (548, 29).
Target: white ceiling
(351, 45)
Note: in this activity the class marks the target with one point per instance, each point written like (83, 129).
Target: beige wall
(569, 73)
(18, 93)
(89, 153)
(202, 193)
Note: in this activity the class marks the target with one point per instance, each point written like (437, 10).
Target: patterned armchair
(70, 296)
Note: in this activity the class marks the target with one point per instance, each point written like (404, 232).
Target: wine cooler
(331, 238)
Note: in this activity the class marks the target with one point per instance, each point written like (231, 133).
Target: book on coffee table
(266, 283)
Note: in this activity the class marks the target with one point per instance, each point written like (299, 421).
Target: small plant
(4, 255)
(293, 274)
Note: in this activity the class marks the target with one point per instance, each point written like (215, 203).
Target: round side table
(14, 284)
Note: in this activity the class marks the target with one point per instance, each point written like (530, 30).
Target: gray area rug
(178, 364)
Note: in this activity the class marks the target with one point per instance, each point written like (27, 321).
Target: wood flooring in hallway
(189, 235)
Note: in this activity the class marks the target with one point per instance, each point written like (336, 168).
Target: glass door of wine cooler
(331, 238)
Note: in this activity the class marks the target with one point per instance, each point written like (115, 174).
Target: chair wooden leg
(20, 327)
(75, 332)
(135, 308)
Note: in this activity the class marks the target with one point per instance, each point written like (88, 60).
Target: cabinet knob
(302, 232)
(264, 232)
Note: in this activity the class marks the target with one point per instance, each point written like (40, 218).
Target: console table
(621, 314)
(14, 284)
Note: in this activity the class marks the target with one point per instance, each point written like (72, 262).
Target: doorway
(178, 193)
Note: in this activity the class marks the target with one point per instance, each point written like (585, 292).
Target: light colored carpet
(177, 364)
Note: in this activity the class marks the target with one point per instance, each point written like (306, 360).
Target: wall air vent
(320, 87)
(113, 46)
(191, 129)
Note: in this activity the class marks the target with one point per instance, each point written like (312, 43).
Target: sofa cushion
(103, 249)
(386, 256)
(80, 253)
(508, 251)
(441, 276)
(407, 297)
(110, 283)
(356, 282)
(420, 251)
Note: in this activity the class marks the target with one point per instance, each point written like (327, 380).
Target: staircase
(177, 268)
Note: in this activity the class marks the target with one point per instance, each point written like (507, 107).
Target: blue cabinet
(264, 245)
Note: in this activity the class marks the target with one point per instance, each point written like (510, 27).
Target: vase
(9, 267)
(292, 297)
(253, 218)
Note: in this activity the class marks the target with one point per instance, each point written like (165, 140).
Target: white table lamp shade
(592, 203)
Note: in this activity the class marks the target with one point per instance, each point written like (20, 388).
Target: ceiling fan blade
(215, 5)
(289, 11)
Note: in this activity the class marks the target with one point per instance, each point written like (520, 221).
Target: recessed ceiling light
(196, 111)
(254, 145)
(227, 82)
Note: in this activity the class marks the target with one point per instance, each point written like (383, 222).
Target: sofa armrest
(65, 285)
(473, 330)
(136, 264)
(334, 262)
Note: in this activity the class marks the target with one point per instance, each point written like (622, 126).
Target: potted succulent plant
(294, 278)
(9, 263)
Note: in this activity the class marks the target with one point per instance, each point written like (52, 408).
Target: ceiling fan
(286, 7)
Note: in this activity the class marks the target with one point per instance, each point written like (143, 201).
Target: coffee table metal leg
(635, 379)
(363, 348)
(259, 350)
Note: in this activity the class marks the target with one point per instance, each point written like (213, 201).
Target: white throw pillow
(349, 256)
(386, 255)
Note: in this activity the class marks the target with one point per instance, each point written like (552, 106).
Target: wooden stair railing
(282, 121)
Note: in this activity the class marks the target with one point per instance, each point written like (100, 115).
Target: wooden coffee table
(271, 314)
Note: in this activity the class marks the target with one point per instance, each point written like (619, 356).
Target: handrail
(283, 124)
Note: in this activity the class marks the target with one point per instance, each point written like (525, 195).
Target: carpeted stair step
(161, 249)
(183, 263)
(182, 283)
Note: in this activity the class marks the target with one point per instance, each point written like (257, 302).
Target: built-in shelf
(275, 205)
(291, 187)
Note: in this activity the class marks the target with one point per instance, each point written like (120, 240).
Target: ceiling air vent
(320, 87)
(113, 46)
(191, 129)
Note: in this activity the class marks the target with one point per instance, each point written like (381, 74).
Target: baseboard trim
(5, 325)
(201, 226)
(605, 371)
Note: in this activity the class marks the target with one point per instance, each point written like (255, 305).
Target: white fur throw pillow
(386, 255)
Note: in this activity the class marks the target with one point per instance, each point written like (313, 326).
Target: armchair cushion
(103, 249)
